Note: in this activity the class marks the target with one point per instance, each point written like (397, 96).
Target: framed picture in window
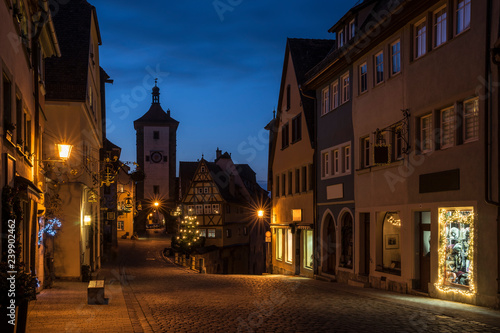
(391, 241)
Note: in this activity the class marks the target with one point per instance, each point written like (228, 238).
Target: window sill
(455, 34)
(336, 175)
(393, 75)
(471, 141)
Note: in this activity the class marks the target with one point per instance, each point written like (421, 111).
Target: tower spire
(156, 93)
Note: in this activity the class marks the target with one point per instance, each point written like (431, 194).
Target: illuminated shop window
(308, 249)
(456, 251)
(279, 244)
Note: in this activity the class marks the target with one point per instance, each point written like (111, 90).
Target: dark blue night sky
(218, 65)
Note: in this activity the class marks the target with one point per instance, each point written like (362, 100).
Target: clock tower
(156, 143)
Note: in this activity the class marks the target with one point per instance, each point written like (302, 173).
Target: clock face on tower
(156, 157)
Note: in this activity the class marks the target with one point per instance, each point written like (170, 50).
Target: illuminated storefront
(456, 251)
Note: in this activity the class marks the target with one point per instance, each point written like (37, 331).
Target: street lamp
(64, 150)
(260, 213)
(156, 204)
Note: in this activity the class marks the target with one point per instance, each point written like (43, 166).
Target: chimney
(168, 112)
(218, 153)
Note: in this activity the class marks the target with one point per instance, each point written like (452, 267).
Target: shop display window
(456, 250)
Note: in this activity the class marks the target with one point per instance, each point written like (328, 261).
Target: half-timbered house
(225, 198)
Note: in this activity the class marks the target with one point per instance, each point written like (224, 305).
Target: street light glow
(156, 203)
(260, 213)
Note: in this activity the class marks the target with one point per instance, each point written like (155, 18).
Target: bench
(95, 292)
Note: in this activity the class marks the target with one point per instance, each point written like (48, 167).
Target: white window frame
(203, 232)
(279, 244)
(199, 209)
(465, 12)
(215, 209)
(379, 65)
(325, 164)
(205, 190)
(341, 37)
(440, 29)
(365, 150)
(426, 134)
(394, 56)
(335, 94)
(336, 162)
(447, 128)
(325, 101)
(207, 209)
(345, 89)
(308, 252)
(352, 29)
(363, 77)
(289, 246)
(475, 120)
(347, 159)
(420, 38)
(211, 233)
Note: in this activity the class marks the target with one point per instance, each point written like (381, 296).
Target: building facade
(426, 155)
(156, 154)
(26, 41)
(225, 199)
(74, 112)
(291, 162)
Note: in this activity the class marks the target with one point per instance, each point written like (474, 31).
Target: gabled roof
(222, 179)
(156, 116)
(66, 77)
(304, 54)
(371, 18)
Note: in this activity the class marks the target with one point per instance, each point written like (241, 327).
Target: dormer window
(341, 37)
(352, 29)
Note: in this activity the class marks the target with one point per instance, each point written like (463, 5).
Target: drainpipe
(313, 143)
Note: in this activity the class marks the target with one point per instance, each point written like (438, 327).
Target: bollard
(193, 263)
(183, 260)
(176, 260)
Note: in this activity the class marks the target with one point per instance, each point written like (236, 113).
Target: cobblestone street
(163, 297)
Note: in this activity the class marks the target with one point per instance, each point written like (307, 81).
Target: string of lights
(463, 217)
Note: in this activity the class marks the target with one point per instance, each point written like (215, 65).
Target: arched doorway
(329, 246)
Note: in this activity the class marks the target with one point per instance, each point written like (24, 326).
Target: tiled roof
(66, 77)
(307, 53)
(155, 116)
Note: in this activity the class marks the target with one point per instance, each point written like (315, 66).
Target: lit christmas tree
(189, 236)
